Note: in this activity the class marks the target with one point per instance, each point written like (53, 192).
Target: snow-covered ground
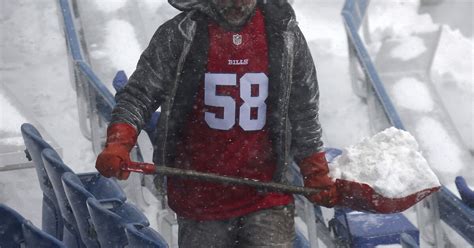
(33, 65)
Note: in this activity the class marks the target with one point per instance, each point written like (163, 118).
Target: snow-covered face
(235, 12)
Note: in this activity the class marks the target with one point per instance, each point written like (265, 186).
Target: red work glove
(314, 170)
(121, 138)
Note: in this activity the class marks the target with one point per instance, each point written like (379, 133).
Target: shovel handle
(147, 168)
(144, 168)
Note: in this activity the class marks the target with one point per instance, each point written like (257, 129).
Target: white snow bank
(453, 73)
(121, 45)
(410, 48)
(412, 94)
(10, 118)
(109, 6)
(390, 162)
(382, 14)
(445, 154)
(455, 56)
(321, 23)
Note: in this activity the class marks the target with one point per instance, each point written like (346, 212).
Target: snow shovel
(354, 195)
(362, 197)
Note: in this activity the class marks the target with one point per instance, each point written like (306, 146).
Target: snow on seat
(34, 237)
(77, 194)
(52, 222)
(11, 233)
(109, 219)
(361, 229)
(142, 236)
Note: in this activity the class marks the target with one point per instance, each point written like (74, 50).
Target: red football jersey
(226, 132)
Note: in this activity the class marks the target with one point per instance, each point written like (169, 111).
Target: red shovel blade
(362, 197)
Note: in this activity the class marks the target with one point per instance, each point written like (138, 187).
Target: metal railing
(353, 14)
(95, 102)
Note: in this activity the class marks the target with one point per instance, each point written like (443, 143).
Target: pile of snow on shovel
(390, 162)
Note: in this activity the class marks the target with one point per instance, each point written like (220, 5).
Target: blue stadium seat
(55, 169)
(109, 219)
(77, 194)
(369, 230)
(35, 238)
(300, 241)
(101, 187)
(467, 194)
(11, 233)
(456, 214)
(120, 80)
(142, 236)
(52, 222)
(332, 153)
(407, 241)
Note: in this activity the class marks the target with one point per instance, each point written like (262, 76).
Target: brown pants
(273, 227)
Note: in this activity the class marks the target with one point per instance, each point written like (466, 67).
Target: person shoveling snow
(384, 174)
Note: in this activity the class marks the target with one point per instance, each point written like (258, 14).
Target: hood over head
(281, 11)
(203, 6)
(226, 13)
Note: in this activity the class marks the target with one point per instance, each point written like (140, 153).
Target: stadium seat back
(300, 240)
(77, 196)
(55, 169)
(109, 218)
(11, 233)
(408, 241)
(467, 194)
(78, 188)
(51, 216)
(103, 188)
(35, 238)
(142, 236)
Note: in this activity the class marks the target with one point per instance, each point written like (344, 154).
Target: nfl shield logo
(237, 39)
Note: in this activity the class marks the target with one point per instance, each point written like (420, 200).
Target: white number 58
(212, 80)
